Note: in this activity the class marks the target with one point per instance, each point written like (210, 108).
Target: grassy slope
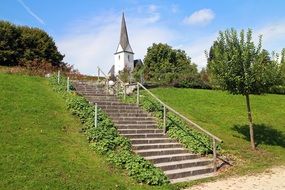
(41, 147)
(225, 116)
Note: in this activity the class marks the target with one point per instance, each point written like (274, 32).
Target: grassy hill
(41, 146)
(225, 116)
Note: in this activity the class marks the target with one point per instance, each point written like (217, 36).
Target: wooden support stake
(164, 119)
(214, 155)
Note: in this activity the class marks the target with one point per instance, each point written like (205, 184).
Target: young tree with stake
(241, 67)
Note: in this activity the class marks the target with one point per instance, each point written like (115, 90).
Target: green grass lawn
(41, 146)
(225, 116)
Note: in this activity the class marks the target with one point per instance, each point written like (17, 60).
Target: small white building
(124, 56)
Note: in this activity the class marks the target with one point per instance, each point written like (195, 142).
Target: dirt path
(272, 179)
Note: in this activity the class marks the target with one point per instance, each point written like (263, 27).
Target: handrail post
(96, 115)
(107, 85)
(214, 155)
(58, 76)
(67, 84)
(164, 119)
(138, 94)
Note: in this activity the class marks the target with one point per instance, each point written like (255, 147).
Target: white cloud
(174, 8)
(152, 8)
(89, 45)
(273, 35)
(201, 17)
(31, 12)
(196, 49)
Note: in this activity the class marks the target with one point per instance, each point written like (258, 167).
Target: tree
(19, 44)
(166, 65)
(37, 44)
(241, 67)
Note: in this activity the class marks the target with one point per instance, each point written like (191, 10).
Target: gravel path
(271, 179)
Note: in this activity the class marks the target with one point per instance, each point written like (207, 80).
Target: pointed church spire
(124, 39)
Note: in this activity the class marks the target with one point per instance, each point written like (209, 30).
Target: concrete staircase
(147, 140)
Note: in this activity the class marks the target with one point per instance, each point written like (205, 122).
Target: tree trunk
(250, 122)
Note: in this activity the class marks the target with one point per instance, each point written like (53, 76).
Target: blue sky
(87, 31)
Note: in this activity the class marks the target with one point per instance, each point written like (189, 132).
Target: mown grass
(225, 116)
(41, 146)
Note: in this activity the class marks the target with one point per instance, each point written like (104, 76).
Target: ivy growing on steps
(106, 140)
(176, 128)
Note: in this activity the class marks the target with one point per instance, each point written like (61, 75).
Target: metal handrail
(166, 107)
(180, 115)
(106, 78)
(100, 70)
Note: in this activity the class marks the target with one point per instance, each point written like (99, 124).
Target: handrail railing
(100, 70)
(166, 107)
(106, 78)
(180, 115)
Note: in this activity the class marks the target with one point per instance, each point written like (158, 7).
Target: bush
(106, 140)
(277, 90)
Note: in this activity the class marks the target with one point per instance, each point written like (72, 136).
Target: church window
(119, 57)
(128, 57)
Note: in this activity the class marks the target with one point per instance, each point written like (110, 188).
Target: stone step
(139, 131)
(134, 127)
(123, 111)
(129, 107)
(171, 157)
(151, 140)
(161, 151)
(186, 172)
(98, 100)
(94, 93)
(114, 103)
(127, 114)
(134, 122)
(192, 178)
(101, 96)
(145, 135)
(183, 164)
(134, 118)
(156, 146)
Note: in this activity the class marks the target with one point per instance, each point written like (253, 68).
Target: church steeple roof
(124, 39)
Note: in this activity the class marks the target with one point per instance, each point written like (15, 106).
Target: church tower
(124, 56)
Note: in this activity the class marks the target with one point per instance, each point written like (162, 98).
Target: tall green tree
(166, 65)
(19, 44)
(241, 67)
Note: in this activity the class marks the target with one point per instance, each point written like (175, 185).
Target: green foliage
(22, 45)
(282, 66)
(241, 67)
(166, 65)
(106, 140)
(41, 147)
(176, 127)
